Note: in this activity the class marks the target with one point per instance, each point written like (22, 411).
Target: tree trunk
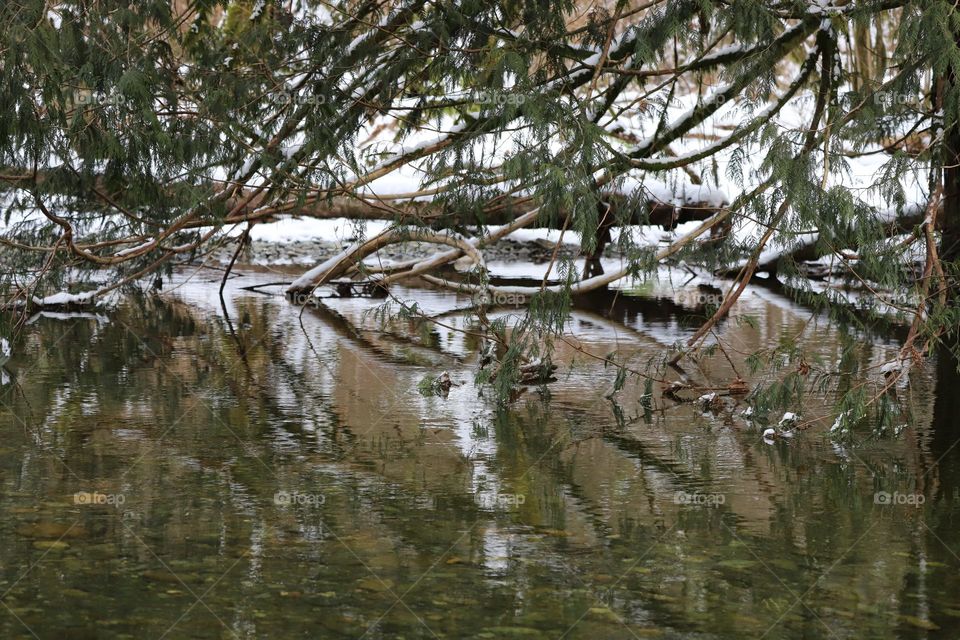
(950, 223)
(950, 226)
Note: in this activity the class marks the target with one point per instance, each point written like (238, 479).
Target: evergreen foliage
(135, 136)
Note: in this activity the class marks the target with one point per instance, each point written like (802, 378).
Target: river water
(165, 473)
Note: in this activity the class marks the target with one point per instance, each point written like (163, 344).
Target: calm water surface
(167, 474)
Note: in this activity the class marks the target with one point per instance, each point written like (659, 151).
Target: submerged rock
(49, 529)
(51, 545)
(375, 584)
(920, 623)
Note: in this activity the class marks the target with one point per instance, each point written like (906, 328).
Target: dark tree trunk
(945, 101)
(946, 421)
(950, 240)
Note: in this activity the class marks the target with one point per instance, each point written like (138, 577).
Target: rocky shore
(307, 252)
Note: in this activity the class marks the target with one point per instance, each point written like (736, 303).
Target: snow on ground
(338, 230)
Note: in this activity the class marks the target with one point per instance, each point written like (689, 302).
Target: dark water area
(165, 473)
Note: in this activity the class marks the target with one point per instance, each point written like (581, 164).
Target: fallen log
(653, 212)
(661, 208)
(806, 248)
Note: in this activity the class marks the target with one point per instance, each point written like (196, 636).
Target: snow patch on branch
(823, 7)
(129, 250)
(64, 299)
(895, 366)
(722, 52)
